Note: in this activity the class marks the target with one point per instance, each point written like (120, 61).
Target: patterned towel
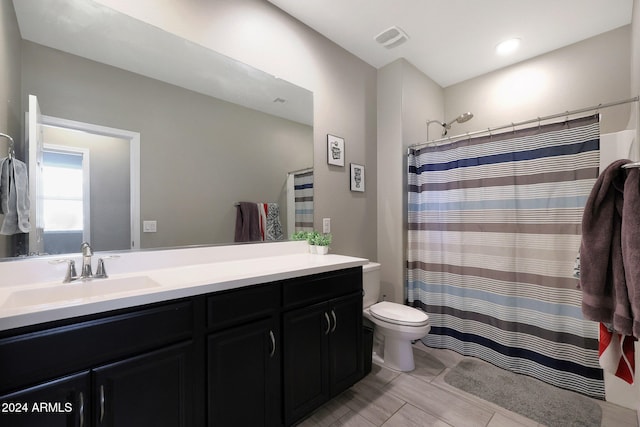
(270, 225)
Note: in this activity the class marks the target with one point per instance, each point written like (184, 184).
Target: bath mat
(524, 395)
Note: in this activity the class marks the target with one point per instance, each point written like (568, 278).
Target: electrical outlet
(149, 226)
(326, 225)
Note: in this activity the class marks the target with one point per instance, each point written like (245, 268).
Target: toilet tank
(370, 283)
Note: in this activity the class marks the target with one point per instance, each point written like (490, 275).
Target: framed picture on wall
(357, 177)
(335, 150)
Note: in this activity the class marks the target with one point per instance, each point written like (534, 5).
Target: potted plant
(311, 239)
(322, 242)
(300, 235)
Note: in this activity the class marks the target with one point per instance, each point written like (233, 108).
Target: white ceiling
(454, 40)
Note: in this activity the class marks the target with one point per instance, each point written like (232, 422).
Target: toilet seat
(398, 314)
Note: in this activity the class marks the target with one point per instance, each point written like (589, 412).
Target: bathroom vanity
(260, 348)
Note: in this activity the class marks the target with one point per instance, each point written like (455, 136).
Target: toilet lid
(398, 314)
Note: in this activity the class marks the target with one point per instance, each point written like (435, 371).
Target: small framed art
(335, 150)
(357, 177)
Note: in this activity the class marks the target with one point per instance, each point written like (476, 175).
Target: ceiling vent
(392, 37)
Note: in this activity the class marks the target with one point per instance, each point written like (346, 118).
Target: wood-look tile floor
(422, 398)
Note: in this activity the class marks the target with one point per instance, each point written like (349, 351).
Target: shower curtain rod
(526, 122)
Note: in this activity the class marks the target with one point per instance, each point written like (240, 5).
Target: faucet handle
(101, 273)
(71, 274)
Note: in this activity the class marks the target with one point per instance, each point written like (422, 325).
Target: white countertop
(154, 285)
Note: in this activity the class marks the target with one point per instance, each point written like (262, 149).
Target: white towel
(14, 197)
(617, 145)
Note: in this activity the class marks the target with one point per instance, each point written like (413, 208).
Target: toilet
(395, 325)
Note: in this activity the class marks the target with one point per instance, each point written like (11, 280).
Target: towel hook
(11, 150)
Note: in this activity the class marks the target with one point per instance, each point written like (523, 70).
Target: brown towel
(247, 223)
(631, 243)
(602, 274)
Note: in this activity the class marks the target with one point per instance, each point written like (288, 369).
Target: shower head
(464, 117)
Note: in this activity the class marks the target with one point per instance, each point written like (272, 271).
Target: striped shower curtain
(303, 194)
(493, 235)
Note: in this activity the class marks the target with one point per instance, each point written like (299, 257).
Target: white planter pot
(322, 250)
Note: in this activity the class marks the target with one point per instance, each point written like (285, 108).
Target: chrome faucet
(86, 273)
(87, 253)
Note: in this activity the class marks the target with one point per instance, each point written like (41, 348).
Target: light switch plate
(326, 225)
(149, 226)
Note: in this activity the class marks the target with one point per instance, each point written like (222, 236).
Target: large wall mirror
(213, 132)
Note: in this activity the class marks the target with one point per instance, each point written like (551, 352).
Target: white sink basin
(77, 291)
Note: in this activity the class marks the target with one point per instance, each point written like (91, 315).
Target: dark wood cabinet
(153, 389)
(244, 384)
(83, 343)
(306, 357)
(63, 402)
(263, 355)
(126, 368)
(345, 349)
(150, 389)
(322, 348)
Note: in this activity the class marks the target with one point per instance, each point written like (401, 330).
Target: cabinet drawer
(50, 353)
(321, 287)
(242, 305)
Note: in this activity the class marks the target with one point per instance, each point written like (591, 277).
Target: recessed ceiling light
(508, 46)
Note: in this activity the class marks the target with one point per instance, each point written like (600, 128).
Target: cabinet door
(154, 389)
(306, 361)
(244, 385)
(63, 402)
(345, 343)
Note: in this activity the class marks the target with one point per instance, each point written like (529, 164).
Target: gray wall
(10, 106)
(406, 99)
(596, 70)
(199, 155)
(344, 95)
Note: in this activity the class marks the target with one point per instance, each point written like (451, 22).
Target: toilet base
(398, 354)
(375, 358)
(395, 351)
(392, 343)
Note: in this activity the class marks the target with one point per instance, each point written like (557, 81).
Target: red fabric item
(617, 354)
